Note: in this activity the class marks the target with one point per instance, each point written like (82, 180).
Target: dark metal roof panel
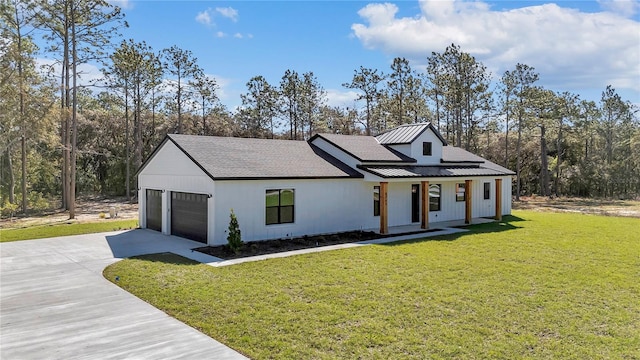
(244, 158)
(430, 171)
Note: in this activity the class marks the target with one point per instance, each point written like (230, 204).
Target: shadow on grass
(166, 258)
(508, 223)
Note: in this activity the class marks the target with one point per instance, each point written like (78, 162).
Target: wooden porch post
(384, 229)
(498, 199)
(424, 224)
(467, 201)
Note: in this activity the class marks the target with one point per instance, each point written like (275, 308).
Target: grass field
(47, 231)
(537, 285)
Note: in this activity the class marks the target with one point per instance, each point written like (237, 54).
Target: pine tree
(235, 237)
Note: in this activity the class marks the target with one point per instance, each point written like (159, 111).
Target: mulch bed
(255, 248)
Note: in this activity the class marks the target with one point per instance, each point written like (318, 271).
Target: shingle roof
(406, 134)
(430, 171)
(364, 148)
(451, 154)
(243, 158)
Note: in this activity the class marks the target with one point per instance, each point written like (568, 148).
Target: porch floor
(411, 228)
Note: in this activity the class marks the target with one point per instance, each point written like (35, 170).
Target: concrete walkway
(55, 303)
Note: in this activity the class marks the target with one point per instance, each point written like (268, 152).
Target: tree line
(62, 134)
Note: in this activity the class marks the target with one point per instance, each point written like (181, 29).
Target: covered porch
(414, 228)
(424, 191)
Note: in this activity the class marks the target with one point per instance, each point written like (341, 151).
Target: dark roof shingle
(245, 158)
(364, 148)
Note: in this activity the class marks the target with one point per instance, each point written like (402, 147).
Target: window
(434, 197)
(460, 193)
(487, 191)
(280, 204)
(376, 201)
(426, 148)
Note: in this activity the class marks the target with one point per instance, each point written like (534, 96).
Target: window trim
(487, 191)
(439, 197)
(427, 145)
(461, 195)
(376, 203)
(279, 207)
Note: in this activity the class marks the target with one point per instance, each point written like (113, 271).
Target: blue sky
(578, 46)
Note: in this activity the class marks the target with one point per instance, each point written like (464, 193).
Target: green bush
(235, 237)
(8, 209)
(37, 201)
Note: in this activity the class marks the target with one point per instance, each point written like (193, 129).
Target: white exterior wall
(321, 206)
(171, 170)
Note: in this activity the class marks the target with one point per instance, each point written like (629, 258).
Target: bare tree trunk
(556, 184)
(506, 135)
(126, 140)
(12, 179)
(544, 165)
(74, 120)
(518, 147)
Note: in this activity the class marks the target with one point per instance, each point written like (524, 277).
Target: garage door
(189, 216)
(154, 209)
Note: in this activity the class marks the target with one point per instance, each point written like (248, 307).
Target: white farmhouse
(332, 183)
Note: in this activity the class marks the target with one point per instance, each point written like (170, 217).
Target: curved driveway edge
(55, 303)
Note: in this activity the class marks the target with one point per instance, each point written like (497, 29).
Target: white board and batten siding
(171, 170)
(399, 199)
(321, 206)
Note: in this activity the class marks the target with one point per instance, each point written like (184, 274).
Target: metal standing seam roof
(365, 148)
(247, 158)
(406, 134)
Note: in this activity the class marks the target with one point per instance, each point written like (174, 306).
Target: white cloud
(221, 34)
(204, 17)
(569, 48)
(228, 12)
(237, 36)
(342, 98)
(627, 8)
(124, 4)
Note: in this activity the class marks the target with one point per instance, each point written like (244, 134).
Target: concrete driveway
(55, 304)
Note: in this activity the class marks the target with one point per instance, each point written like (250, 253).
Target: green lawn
(537, 285)
(46, 231)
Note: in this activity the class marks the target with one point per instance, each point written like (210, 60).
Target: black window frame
(376, 202)
(487, 191)
(460, 197)
(280, 209)
(427, 148)
(439, 197)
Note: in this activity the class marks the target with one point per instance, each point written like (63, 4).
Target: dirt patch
(255, 248)
(88, 209)
(607, 207)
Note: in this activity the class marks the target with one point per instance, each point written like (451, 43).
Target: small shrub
(8, 209)
(102, 215)
(235, 237)
(38, 202)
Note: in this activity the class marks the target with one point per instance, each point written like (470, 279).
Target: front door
(415, 203)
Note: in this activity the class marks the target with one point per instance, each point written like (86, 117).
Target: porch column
(467, 202)
(425, 205)
(384, 228)
(498, 199)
